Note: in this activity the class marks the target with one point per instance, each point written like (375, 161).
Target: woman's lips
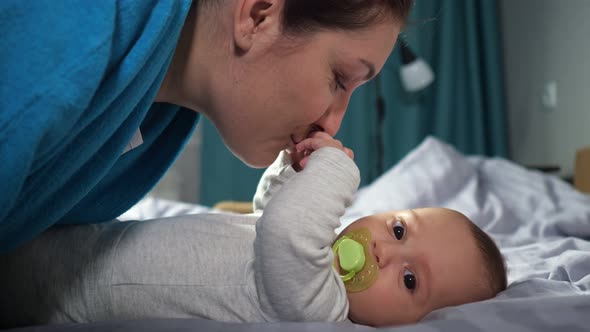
(312, 129)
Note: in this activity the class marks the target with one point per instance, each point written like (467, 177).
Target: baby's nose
(384, 253)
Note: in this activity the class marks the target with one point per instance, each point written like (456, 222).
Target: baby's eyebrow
(423, 266)
(414, 214)
(425, 278)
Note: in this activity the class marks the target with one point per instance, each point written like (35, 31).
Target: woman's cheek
(317, 107)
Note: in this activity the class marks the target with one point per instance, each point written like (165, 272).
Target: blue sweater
(77, 80)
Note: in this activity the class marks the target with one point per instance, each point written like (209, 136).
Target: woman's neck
(186, 80)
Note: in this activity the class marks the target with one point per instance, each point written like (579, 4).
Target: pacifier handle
(348, 276)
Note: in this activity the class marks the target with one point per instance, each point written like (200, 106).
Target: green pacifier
(351, 256)
(355, 261)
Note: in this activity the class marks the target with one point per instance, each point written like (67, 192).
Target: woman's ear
(256, 22)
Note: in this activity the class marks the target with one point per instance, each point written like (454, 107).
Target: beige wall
(547, 40)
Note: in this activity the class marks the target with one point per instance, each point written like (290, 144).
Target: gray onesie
(226, 267)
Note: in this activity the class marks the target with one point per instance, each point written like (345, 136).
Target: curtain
(223, 176)
(465, 106)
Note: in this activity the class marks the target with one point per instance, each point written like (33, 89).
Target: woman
(98, 101)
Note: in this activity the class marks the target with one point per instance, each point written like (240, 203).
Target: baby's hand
(314, 142)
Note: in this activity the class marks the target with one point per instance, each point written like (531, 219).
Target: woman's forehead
(373, 44)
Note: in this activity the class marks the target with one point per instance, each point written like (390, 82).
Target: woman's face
(271, 98)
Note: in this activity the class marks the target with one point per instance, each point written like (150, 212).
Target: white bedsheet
(152, 208)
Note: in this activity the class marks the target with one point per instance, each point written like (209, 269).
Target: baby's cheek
(393, 304)
(377, 296)
(375, 307)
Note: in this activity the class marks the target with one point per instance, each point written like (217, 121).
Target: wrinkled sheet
(541, 224)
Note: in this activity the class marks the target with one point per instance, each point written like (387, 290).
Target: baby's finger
(349, 152)
(296, 157)
(312, 144)
(303, 162)
(320, 134)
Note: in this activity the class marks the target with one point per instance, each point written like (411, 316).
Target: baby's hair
(495, 265)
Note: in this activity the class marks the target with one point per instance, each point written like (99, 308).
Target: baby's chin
(343, 232)
(338, 237)
(366, 308)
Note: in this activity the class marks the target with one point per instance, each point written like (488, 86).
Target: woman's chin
(256, 158)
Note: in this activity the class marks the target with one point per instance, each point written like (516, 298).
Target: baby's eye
(398, 229)
(409, 280)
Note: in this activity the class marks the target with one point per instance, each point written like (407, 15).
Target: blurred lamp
(415, 73)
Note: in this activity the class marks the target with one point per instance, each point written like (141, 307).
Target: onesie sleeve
(272, 180)
(293, 265)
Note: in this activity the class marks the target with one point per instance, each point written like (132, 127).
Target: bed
(541, 223)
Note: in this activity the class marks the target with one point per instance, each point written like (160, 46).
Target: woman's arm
(293, 265)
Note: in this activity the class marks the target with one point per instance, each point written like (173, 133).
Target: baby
(425, 259)
(415, 261)
(283, 263)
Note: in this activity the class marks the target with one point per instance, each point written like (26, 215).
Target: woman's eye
(409, 280)
(398, 229)
(338, 80)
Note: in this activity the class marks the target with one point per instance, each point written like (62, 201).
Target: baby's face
(427, 259)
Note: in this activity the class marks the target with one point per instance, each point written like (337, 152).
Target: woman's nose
(385, 253)
(330, 122)
(332, 118)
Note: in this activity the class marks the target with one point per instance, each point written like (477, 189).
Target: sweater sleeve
(53, 57)
(77, 81)
(294, 274)
(272, 180)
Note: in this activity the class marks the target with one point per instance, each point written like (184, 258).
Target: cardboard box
(582, 170)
